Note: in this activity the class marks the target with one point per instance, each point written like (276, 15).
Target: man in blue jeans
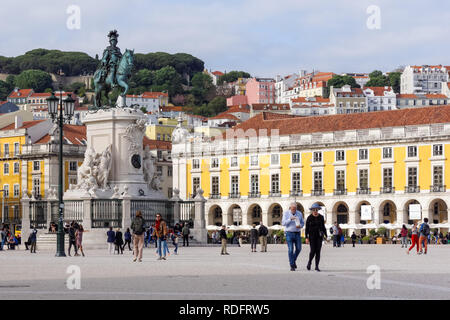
(293, 223)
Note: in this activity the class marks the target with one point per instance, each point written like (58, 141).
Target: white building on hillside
(282, 85)
(380, 98)
(424, 79)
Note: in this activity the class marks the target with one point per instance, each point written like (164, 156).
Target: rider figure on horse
(111, 58)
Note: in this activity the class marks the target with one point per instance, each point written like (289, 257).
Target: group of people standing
(75, 232)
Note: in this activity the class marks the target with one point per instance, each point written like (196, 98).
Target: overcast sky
(263, 37)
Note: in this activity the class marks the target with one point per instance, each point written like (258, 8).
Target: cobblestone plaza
(202, 273)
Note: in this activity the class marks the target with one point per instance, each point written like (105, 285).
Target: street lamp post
(68, 105)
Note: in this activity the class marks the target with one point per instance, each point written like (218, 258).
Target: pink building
(260, 90)
(236, 100)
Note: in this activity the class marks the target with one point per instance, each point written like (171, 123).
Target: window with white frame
(363, 154)
(214, 162)
(412, 151)
(387, 153)
(37, 186)
(438, 177)
(16, 148)
(169, 172)
(36, 165)
(234, 161)
(275, 183)
(317, 180)
(296, 157)
(412, 176)
(340, 180)
(195, 164)
(6, 149)
(438, 150)
(16, 167)
(296, 181)
(234, 184)
(317, 156)
(195, 185)
(340, 155)
(364, 179)
(16, 190)
(73, 166)
(5, 168)
(254, 160)
(215, 185)
(387, 177)
(275, 159)
(6, 190)
(254, 183)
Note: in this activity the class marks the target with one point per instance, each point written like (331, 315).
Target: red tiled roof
(171, 108)
(238, 108)
(157, 144)
(21, 93)
(436, 96)
(217, 73)
(26, 124)
(379, 91)
(154, 95)
(340, 122)
(73, 133)
(310, 100)
(40, 95)
(224, 115)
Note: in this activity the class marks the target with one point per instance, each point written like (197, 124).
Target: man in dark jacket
(253, 237)
(32, 240)
(111, 239)
(223, 239)
(72, 238)
(263, 232)
(138, 227)
(186, 233)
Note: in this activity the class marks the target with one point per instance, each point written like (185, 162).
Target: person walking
(314, 232)
(186, 232)
(293, 223)
(72, 238)
(118, 242)
(2, 237)
(414, 238)
(424, 234)
(160, 232)
(175, 239)
(342, 241)
(253, 237)
(335, 233)
(223, 239)
(138, 227)
(353, 238)
(127, 239)
(79, 238)
(263, 232)
(404, 236)
(33, 240)
(111, 238)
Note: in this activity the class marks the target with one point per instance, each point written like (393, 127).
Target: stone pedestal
(199, 232)
(121, 130)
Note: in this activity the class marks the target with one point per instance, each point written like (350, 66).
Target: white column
(25, 201)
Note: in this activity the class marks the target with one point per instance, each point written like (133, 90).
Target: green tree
(203, 88)
(218, 105)
(339, 81)
(33, 79)
(377, 79)
(394, 81)
(167, 79)
(233, 76)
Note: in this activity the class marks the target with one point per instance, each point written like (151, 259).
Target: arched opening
(388, 212)
(358, 220)
(215, 216)
(438, 211)
(275, 214)
(301, 209)
(235, 215)
(254, 214)
(406, 209)
(340, 211)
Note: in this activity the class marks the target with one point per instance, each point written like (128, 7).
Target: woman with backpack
(160, 232)
(424, 236)
(414, 238)
(138, 227)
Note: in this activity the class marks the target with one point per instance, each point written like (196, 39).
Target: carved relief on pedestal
(94, 172)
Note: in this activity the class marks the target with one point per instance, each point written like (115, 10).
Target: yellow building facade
(388, 169)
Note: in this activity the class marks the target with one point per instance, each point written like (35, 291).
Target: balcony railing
(340, 192)
(317, 192)
(274, 194)
(234, 195)
(363, 191)
(214, 196)
(296, 193)
(387, 190)
(438, 188)
(412, 189)
(254, 194)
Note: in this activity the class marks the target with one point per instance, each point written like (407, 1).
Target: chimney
(18, 122)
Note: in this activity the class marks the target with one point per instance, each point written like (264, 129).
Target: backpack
(331, 230)
(425, 229)
(138, 225)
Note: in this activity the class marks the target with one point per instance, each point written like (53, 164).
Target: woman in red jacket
(404, 235)
(414, 238)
